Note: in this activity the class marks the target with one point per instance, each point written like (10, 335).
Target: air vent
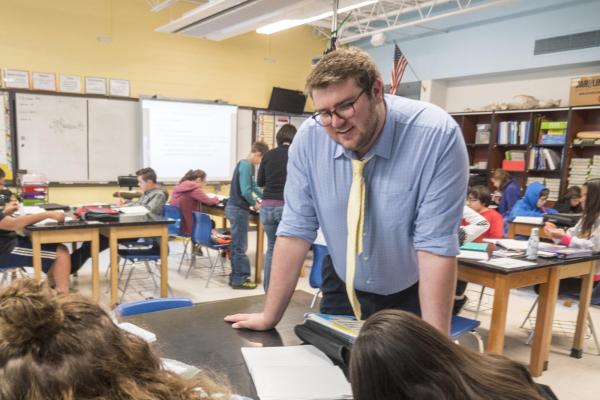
(583, 40)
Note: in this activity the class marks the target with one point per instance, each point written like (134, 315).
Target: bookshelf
(508, 134)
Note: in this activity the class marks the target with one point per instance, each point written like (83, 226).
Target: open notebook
(295, 372)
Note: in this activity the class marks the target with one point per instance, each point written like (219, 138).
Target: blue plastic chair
(316, 271)
(152, 305)
(201, 236)
(461, 326)
(142, 251)
(174, 213)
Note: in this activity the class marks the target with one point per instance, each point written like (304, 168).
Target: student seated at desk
(584, 235)
(509, 189)
(532, 203)
(479, 200)
(399, 356)
(189, 196)
(67, 347)
(570, 203)
(16, 251)
(153, 198)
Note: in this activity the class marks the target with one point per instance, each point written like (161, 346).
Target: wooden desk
(68, 232)
(219, 211)
(128, 227)
(547, 273)
(520, 228)
(198, 335)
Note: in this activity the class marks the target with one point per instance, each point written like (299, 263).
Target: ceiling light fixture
(291, 23)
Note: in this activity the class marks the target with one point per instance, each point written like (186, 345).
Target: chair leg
(151, 273)
(314, 300)
(212, 267)
(192, 264)
(479, 302)
(594, 335)
(128, 279)
(479, 340)
(185, 245)
(530, 311)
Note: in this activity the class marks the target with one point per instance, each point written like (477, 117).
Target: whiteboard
(183, 135)
(114, 139)
(52, 136)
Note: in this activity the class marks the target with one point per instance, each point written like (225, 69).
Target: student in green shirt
(243, 194)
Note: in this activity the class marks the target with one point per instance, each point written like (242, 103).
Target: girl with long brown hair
(584, 235)
(399, 356)
(66, 347)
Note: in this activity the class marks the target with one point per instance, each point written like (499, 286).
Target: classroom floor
(569, 378)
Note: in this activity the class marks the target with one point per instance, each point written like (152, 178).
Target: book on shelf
(543, 159)
(553, 125)
(482, 137)
(515, 155)
(513, 132)
(588, 135)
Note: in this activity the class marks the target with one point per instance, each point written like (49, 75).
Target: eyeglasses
(344, 111)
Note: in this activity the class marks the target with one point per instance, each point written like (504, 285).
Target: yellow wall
(60, 36)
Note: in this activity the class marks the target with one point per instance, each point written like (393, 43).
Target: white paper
(284, 373)
(44, 81)
(513, 244)
(119, 87)
(51, 221)
(134, 210)
(178, 367)
(473, 255)
(70, 83)
(30, 210)
(529, 220)
(95, 85)
(137, 331)
(509, 263)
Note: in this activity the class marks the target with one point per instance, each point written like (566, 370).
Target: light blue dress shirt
(416, 184)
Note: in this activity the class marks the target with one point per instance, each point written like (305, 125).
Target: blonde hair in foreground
(66, 347)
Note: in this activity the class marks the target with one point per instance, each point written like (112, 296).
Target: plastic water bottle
(533, 244)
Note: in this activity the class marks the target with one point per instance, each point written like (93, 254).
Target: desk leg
(511, 231)
(36, 248)
(499, 311)
(164, 260)
(540, 347)
(260, 256)
(585, 296)
(114, 267)
(95, 269)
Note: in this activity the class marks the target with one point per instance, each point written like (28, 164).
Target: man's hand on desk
(255, 322)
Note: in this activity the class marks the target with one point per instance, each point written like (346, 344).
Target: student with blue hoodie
(532, 203)
(510, 190)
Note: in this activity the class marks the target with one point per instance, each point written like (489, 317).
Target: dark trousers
(335, 300)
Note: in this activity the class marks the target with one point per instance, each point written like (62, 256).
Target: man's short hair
(343, 64)
(259, 147)
(147, 174)
(285, 134)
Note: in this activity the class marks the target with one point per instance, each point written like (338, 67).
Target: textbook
(345, 325)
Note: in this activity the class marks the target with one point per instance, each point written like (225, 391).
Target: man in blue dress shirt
(415, 182)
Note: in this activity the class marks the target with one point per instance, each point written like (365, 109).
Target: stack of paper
(295, 372)
(137, 331)
(134, 210)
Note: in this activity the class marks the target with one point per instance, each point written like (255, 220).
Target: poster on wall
(95, 85)
(17, 79)
(6, 162)
(43, 81)
(119, 87)
(70, 83)
(585, 91)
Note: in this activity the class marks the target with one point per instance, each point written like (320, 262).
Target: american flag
(398, 68)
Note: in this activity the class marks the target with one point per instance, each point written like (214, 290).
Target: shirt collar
(383, 145)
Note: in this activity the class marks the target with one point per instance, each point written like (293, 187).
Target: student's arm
(16, 224)
(572, 238)
(198, 194)
(511, 196)
(436, 228)
(476, 226)
(246, 183)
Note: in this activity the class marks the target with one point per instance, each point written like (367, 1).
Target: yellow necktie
(355, 220)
